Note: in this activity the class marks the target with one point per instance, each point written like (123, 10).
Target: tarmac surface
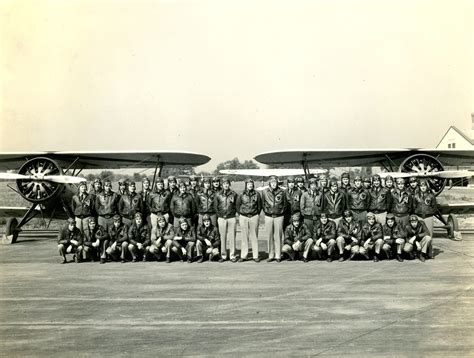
(356, 308)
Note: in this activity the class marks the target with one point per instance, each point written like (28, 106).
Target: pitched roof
(460, 133)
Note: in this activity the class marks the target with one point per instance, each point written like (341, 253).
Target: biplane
(47, 180)
(421, 163)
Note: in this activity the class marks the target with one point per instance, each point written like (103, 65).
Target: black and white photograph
(207, 178)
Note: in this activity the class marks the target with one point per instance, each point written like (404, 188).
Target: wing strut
(158, 168)
(30, 214)
(71, 165)
(304, 163)
(390, 163)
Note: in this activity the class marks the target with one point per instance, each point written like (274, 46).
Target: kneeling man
(348, 234)
(118, 234)
(139, 238)
(297, 238)
(418, 239)
(372, 236)
(393, 237)
(70, 241)
(324, 236)
(162, 237)
(209, 239)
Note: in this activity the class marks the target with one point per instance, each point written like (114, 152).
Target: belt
(309, 217)
(248, 215)
(274, 215)
(106, 216)
(400, 215)
(334, 216)
(359, 210)
(379, 211)
(82, 216)
(158, 212)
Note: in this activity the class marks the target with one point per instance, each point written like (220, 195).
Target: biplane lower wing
(456, 208)
(13, 212)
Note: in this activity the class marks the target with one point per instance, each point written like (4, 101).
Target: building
(456, 139)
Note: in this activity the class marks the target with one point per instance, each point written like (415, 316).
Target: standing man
(225, 205)
(97, 187)
(118, 234)
(182, 206)
(300, 184)
(297, 238)
(335, 202)
(413, 185)
(205, 202)
(159, 203)
(173, 189)
(70, 241)
(348, 234)
(308, 203)
(172, 185)
(274, 204)
(367, 184)
(139, 238)
(324, 235)
(129, 204)
(144, 194)
(106, 206)
(208, 235)
(82, 206)
(293, 196)
(358, 200)
(401, 203)
(389, 183)
(193, 185)
(345, 183)
(249, 205)
(424, 205)
(380, 199)
(122, 183)
(216, 184)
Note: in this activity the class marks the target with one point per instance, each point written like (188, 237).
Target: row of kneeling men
(325, 240)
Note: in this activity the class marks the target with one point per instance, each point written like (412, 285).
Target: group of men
(193, 221)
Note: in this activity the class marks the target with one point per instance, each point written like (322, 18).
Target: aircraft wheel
(425, 163)
(11, 232)
(453, 227)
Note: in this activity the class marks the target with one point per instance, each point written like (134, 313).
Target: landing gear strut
(11, 231)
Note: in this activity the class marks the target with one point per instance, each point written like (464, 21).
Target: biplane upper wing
(270, 172)
(363, 157)
(108, 159)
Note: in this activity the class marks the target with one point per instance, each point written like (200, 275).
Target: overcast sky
(233, 78)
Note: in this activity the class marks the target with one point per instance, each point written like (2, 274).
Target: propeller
(61, 179)
(445, 174)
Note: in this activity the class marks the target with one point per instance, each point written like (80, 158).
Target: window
(449, 145)
(453, 145)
